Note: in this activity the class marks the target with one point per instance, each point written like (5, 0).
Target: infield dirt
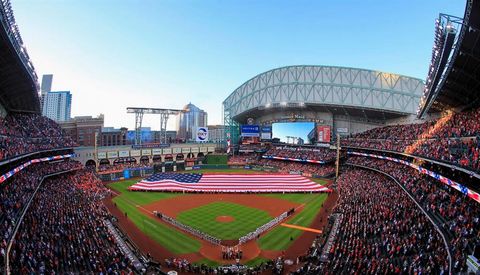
(173, 206)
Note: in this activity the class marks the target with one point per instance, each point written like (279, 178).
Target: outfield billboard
(323, 133)
(250, 130)
(202, 134)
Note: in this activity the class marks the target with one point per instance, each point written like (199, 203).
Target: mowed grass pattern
(246, 219)
(170, 238)
(203, 218)
(279, 237)
(139, 197)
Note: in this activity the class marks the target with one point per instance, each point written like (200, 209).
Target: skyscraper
(55, 105)
(189, 120)
(46, 87)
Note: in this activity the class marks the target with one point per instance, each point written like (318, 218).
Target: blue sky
(166, 53)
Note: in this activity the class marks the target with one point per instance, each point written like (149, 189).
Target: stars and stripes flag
(225, 183)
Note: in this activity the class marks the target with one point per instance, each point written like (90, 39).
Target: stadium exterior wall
(111, 153)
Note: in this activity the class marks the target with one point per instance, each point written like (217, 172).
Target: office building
(55, 105)
(189, 120)
(216, 133)
(83, 128)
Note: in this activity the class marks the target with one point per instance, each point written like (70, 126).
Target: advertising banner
(135, 153)
(123, 154)
(156, 152)
(146, 152)
(102, 155)
(202, 134)
(186, 150)
(113, 154)
(266, 135)
(250, 131)
(323, 133)
(177, 150)
(266, 129)
(167, 151)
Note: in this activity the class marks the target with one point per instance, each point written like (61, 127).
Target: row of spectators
(298, 167)
(304, 153)
(382, 231)
(26, 133)
(16, 192)
(269, 267)
(121, 166)
(242, 159)
(456, 213)
(64, 231)
(453, 138)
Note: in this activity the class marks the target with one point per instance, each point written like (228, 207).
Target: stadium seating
(453, 138)
(26, 133)
(242, 159)
(105, 168)
(298, 167)
(303, 153)
(64, 231)
(381, 231)
(16, 191)
(458, 215)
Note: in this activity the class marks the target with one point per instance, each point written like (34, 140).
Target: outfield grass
(170, 238)
(247, 219)
(140, 198)
(279, 237)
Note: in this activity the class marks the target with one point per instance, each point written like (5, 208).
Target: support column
(138, 127)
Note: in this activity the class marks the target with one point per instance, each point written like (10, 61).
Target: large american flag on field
(234, 183)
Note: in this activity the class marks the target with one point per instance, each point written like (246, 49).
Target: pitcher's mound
(225, 219)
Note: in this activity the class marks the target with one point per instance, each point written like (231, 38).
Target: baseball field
(224, 216)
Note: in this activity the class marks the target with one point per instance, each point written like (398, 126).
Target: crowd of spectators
(453, 138)
(382, 231)
(63, 231)
(26, 133)
(16, 192)
(115, 167)
(287, 167)
(242, 159)
(251, 148)
(456, 213)
(269, 267)
(303, 153)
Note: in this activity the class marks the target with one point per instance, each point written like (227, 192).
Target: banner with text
(323, 133)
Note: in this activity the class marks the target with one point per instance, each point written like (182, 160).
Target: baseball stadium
(378, 172)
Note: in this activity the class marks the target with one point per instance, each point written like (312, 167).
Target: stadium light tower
(164, 115)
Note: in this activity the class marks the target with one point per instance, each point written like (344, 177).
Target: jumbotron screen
(292, 132)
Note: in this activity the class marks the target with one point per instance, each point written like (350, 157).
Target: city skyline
(180, 52)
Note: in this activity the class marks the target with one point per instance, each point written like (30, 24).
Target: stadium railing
(20, 220)
(448, 164)
(427, 214)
